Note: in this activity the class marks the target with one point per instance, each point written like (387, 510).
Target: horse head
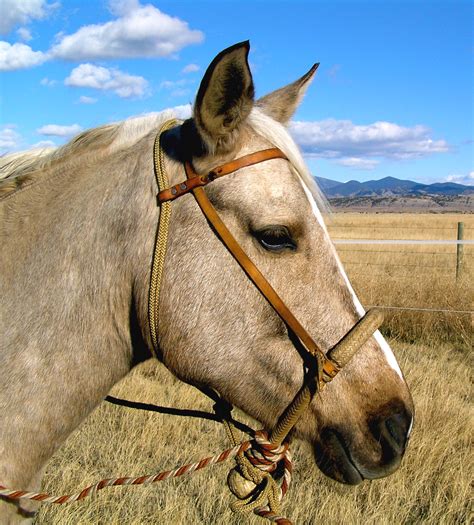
(215, 328)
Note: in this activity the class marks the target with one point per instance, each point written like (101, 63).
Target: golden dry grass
(432, 486)
(414, 276)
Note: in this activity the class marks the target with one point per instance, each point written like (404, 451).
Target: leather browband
(195, 180)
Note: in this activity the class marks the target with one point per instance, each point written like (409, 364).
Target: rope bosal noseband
(263, 472)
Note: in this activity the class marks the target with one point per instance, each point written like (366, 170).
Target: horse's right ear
(282, 103)
(224, 99)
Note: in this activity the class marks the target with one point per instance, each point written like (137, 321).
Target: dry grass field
(433, 484)
(414, 276)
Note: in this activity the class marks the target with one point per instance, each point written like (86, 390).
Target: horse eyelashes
(275, 239)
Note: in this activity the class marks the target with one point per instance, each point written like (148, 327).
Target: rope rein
(263, 458)
(125, 481)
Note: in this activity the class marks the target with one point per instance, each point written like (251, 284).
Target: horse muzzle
(339, 457)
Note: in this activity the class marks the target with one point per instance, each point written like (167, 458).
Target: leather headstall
(194, 184)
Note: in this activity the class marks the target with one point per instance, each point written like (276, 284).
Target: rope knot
(266, 455)
(261, 478)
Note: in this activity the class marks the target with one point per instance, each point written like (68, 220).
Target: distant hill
(326, 184)
(389, 186)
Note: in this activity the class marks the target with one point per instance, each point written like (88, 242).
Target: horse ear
(225, 98)
(282, 103)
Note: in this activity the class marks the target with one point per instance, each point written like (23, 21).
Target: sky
(393, 95)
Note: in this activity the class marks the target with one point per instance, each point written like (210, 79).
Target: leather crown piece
(195, 180)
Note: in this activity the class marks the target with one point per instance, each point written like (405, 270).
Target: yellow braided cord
(267, 489)
(296, 409)
(161, 241)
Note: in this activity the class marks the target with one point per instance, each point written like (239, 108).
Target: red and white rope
(260, 452)
(281, 454)
(114, 482)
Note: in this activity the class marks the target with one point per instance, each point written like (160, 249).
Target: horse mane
(24, 168)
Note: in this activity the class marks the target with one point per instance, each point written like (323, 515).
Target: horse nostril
(398, 426)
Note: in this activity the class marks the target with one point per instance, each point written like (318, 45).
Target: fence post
(459, 250)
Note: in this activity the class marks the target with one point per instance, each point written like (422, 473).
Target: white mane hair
(16, 161)
(121, 135)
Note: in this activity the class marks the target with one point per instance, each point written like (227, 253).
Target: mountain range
(389, 186)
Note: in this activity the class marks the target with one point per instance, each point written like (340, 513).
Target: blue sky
(392, 97)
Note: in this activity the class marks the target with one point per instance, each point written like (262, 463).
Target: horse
(78, 227)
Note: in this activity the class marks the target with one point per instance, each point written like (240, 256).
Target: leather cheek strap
(330, 369)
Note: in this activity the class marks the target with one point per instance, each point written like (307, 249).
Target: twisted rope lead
(114, 482)
(264, 459)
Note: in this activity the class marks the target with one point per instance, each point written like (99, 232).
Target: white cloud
(183, 111)
(16, 12)
(190, 68)
(19, 56)
(177, 88)
(98, 77)
(24, 34)
(467, 180)
(139, 31)
(59, 131)
(9, 139)
(358, 163)
(171, 84)
(48, 82)
(351, 144)
(44, 144)
(87, 100)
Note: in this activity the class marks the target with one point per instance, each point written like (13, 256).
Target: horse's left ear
(282, 103)
(224, 99)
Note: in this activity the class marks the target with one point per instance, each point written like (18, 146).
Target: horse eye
(275, 238)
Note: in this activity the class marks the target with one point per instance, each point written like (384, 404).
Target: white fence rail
(459, 243)
(398, 241)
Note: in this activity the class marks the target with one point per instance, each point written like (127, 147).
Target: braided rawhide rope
(267, 468)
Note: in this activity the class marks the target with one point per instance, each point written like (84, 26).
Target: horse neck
(84, 233)
(75, 245)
